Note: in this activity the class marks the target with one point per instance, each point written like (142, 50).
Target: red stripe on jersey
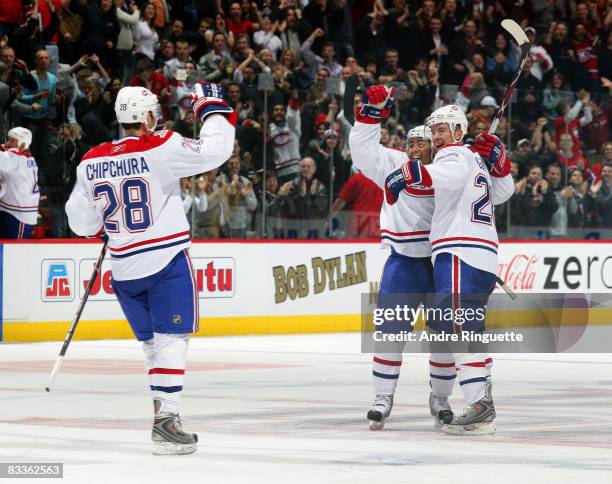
(15, 151)
(150, 241)
(471, 239)
(441, 365)
(166, 371)
(143, 143)
(418, 232)
(456, 288)
(387, 362)
(420, 192)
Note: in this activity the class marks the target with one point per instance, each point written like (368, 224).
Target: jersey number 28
(133, 201)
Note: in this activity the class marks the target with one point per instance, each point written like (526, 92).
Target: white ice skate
(168, 434)
(476, 419)
(440, 410)
(380, 410)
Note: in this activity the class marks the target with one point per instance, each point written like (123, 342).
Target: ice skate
(168, 434)
(440, 410)
(476, 419)
(380, 410)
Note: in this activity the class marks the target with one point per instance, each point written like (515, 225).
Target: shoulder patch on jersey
(130, 145)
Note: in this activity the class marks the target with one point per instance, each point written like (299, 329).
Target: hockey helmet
(21, 135)
(420, 132)
(452, 115)
(134, 103)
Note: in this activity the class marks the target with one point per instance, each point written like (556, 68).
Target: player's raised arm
(368, 155)
(216, 141)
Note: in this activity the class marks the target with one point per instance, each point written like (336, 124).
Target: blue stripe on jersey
(388, 377)
(166, 389)
(473, 246)
(403, 241)
(473, 380)
(443, 377)
(148, 249)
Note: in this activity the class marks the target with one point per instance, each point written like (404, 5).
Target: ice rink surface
(291, 409)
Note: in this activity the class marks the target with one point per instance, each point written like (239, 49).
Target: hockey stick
(521, 39)
(60, 358)
(350, 88)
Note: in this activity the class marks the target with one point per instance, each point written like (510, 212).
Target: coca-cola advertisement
(560, 267)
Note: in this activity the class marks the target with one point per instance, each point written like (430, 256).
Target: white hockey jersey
(405, 226)
(463, 221)
(131, 187)
(19, 193)
(285, 140)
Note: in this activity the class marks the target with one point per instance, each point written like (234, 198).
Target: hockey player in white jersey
(405, 229)
(130, 188)
(464, 245)
(19, 191)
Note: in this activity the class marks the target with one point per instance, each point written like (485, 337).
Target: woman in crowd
(145, 35)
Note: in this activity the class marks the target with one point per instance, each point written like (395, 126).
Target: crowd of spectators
(283, 65)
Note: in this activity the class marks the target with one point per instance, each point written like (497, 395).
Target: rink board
(257, 287)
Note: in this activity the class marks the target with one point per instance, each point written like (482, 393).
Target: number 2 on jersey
(479, 215)
(133, 201)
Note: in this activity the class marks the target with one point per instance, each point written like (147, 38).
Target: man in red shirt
(364, 198)
(236, 25)
(587, 56)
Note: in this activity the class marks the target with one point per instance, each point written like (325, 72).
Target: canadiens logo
(118, 149)
(281, 139)
(194, 145)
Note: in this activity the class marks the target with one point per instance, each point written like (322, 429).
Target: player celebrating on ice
(130, 187)
(405, 229)
(464, 243)
(19, 192)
